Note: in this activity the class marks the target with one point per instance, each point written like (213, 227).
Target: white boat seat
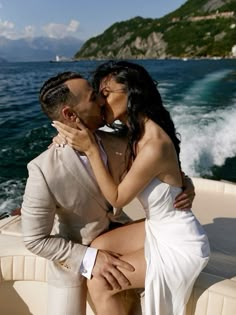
(23, 275)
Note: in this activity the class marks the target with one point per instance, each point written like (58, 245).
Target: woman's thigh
(136, 277)
(137, 260)
(123, 240)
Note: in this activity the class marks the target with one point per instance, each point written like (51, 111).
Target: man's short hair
(54, 93)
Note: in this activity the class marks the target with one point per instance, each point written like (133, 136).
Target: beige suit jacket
(60, 190)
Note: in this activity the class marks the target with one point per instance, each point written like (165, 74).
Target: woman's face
(116, 99)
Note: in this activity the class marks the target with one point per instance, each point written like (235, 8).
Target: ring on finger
(65, 141)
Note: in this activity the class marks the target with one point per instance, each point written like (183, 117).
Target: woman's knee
(99, 289)
(99, 242)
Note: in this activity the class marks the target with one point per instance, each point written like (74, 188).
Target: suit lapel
(74, 165)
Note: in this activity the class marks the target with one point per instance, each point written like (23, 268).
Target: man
(63, 209)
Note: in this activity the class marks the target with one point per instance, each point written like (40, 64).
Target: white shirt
(88, 261)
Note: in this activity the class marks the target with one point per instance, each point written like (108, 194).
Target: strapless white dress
(176, 250)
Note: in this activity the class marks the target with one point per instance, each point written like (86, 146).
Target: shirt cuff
(88, 262)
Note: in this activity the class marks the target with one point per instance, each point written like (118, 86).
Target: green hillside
(199, 28)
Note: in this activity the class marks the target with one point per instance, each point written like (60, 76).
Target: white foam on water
(207, 139)
(11, 192)
(208, 134)
(204, 146)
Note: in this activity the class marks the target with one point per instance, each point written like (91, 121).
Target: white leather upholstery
(212, 295)
(23, 283)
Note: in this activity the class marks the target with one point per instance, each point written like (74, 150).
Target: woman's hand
(81, 139)
(58, 141)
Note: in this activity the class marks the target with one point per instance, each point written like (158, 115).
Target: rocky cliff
(199, 28)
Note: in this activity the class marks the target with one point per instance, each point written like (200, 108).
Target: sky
(81, 19)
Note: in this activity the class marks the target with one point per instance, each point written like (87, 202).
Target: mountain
(199, 28)
(38, 48)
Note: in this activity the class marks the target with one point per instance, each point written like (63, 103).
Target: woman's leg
(129, 242)
(122, 240)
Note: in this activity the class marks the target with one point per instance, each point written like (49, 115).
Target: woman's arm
(76, 139)
(143, 170)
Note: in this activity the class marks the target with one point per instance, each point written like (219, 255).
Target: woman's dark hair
(144, 99)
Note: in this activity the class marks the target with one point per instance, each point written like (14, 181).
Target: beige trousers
(67, 301)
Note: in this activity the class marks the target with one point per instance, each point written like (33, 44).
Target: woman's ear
(68, 114)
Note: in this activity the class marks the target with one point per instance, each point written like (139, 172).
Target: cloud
(29, 31)
(6, 28)
(1, 5)
(55, 30)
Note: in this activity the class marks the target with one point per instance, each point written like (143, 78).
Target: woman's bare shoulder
(156, 148)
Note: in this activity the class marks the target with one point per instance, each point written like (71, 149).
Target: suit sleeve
(38, 214)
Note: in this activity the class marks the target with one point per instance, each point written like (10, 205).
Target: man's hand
(105, 267)
(184, 200)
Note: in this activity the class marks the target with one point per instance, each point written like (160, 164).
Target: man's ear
(68, 114)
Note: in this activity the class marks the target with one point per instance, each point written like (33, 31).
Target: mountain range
(37, 49)
(199, 28)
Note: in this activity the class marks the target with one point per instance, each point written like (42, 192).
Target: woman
(176, 248)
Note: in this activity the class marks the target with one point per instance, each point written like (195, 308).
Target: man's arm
(38, 213)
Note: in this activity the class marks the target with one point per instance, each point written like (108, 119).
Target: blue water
(200, 94)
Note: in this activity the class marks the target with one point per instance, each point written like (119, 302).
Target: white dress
(176, 250)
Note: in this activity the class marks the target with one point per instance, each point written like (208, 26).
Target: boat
(63, 59)
(23, 284)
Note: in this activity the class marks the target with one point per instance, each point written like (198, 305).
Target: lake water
(200, 94)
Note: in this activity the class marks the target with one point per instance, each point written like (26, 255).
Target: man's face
(89, 104)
